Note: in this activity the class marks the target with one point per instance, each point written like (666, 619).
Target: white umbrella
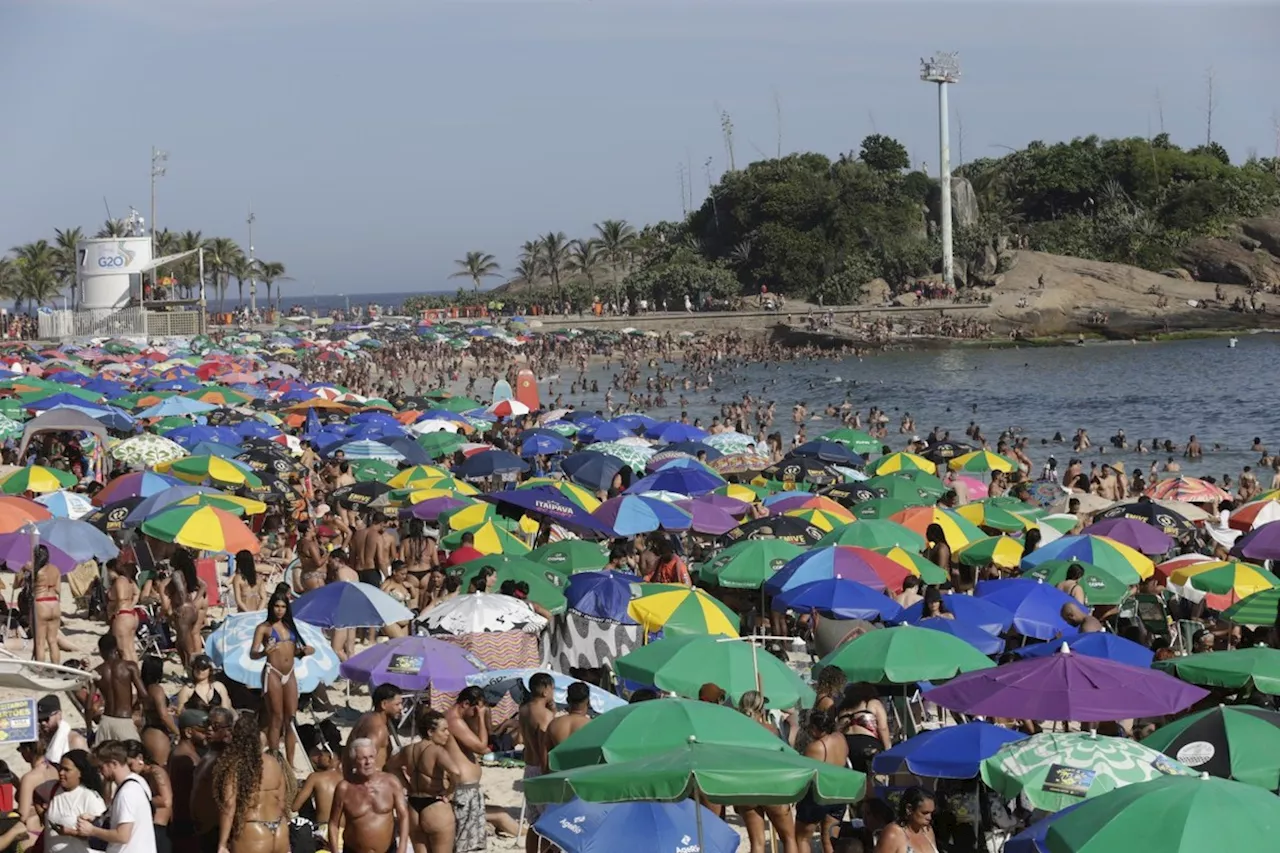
(478, 613)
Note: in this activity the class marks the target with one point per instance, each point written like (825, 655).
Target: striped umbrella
(875, 533)
(204, 528)
(991, 550)
(17, 512)
(823, 519)
(1254, 514)
(1099, 550)
(1190, 490)
(415, 475)
(957, 530)
(198, 469)
(1260, 608)
(684, 612)
(1221, 583)
(914, 562)
(982, 461)
(1002, 515)
(901, 461)
(36, 478)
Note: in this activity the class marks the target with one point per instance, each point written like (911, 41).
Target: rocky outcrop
(1266, 231)
(964, 204)
(1248, 256)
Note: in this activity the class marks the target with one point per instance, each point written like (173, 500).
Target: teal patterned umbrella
(9, 428)
(729, 442)
(633, 455)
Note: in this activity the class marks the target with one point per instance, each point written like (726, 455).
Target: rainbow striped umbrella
(823, 519)
(1099, 550)
(204, 528)
(36, 478)
(914, 562)
(198, 469)
(1221, 583)
(991, 550)
(1190, 490)
(981, 461)
(901, 461)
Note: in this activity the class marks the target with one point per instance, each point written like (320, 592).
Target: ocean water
(1167, 390)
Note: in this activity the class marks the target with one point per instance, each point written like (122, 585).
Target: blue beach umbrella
(635, 422)
(490, 462)
(592, 470)
(77, 539)
(1033, 838)
(1036, 606)
(605, 431)
(229, 647)
(988, 644)
(214, 448)
(189, 437)
(954, 752)
(348, 604)
(497, 683)
(690, 480)
(176, 407)
(1098, 645)
(581, 827)
(839, 599)
(673, 431)
(978, 612)
(693, 448)
(602, 595)
(544, 445)
(627, 515)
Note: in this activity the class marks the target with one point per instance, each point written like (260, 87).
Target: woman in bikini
(184, 595)
(828, 746)
(397, 586)
(47, 590)
(913, 830)
(122, 603)
(159, 731)
(278, 642)
(751, 704)
(863, 721)
(432, 590)
(203, 693)
(247, 586)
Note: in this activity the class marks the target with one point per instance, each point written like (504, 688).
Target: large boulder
(964, 204)
(1227, 262)
(1265, 230)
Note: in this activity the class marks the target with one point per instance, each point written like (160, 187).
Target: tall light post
(253, 280)
(943, 69)
(158, 159)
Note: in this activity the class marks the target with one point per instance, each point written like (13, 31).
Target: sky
(378, 141)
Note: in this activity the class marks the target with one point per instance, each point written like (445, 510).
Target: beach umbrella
(831, 452)
(718, 773)
(1098, 644)
(1136, 534)
(1056, 769)
(904, 655)
(707, 517)
(943, 452)
(364, 470)
(851, 494)
(804, 500)
(912, 488)
(953, 752)
(581, 827)
(646, 728)
(1036, 606)
(627, 515)
(546, 587)
(477, 613)
(1067, 687)
(231, 641)
(1254, 514)
(36, 478)
(440, 444)
(914, 562)
(981, 462)
(690, 480)
(1190, 490)
(604, 431)
(874, 533)
(682, 664)
(544, 445)
(347, 604)
(411, 477)
(1150, 512)
(147, 449)
(636, 422)
(1221, 583)
(1256, 668)
(359, 495)
(413, 664)
(1098, 550)
(1237, 742)
(78, 540)
(684, 612)
(593, 470)
(838, 561)
(856, 440)
(234, 504)
(497, 683)
(729, 441)
(977, 612)
(901, 461)
(1099, 585)
(64, 504)
(957, 530)
(802, 469)
(175, 407)
(17, 512)
(1260, 608)
(633, 456)
(198, 469)
(1260, 543)
(748, 564)
(987, 513)
(204, 528)
(670, 432)
(549, 502)
(602, 595)
(991, 550)
(740, 463)
(490, 538)
(1173, 814)
(431, 508)
(570, 556)
(839, 599)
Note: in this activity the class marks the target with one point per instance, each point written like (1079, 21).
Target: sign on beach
(18, 721)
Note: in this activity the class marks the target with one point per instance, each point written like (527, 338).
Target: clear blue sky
(379, 140)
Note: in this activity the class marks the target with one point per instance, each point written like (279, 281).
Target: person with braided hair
(253, 789)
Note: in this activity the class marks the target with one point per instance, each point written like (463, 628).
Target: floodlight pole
(943, 69)
(158, 159)
(253, 279)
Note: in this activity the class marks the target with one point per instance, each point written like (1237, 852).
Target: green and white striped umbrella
(729, 442)
(147, 449)
(633, 455)
(9, 428)
(1059, 769)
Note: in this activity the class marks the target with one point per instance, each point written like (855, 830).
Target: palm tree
(113, 228)
(555, 254)
(243, 270)
(528, 269)
(67, 261)
(37, 279)
(475, 266)
(8, 279)
(188, 272)
(585, 257)
(221, 255)
(269, 272)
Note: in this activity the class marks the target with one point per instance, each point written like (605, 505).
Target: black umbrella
(360, 494)
(225, 417)
(802, 469)
(1162, 518)
(110, 518)
(788, 528)
(490, 462)
(832, 452)
(849, 494)
(262, 460)
(945, 451)
(1239, 742)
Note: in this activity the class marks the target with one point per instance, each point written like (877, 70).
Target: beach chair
(1154, 617)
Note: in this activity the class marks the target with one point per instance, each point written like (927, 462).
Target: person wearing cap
(56, 731)
(193, 733)
(205, 814)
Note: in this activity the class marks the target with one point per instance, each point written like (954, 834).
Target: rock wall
(1249, 255)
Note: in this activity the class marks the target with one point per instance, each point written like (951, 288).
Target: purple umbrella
(1136, 534)
(15, 552)
(1067, 687)
(708, 518)
(413, 663)
(548, 502)
(733, 506)
(1260, 543)
(431, 508)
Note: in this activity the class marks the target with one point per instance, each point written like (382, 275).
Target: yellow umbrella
(231, 503)
(490, 538)
(900, 461)
(823, 519)
(685, 612)
(982, 460)
(197, 469)
(997, 550)
(411, 477)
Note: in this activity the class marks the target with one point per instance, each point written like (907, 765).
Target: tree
(188, 270)
(66, 261)
(528, 269)
(243, 271)
(884, 153)
(584, 258)
(221, 257)
(269, 272)
(35, 265)
(113, 228)
(477, 266)
(555, 255)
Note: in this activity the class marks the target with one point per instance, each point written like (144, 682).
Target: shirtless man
(192, 735)
(1108, 486)
(364, 547)
(1077, 616)
(1193, 451)
(120, 684)
(468, 722)
(579, 698)
(319, 788)
(47, 589)
(431, 772)
(258, 823)
(370, 812)
(376, 725)
(536, 714)
(205, 813)
(343, 640)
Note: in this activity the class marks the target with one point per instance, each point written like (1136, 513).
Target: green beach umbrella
(61, 388)
(9, 428)
(982, 462)
(1237, 742)
(1257, 609)
(1257, 667)
(458, 405)
(36, 478)
(999, 516)
(748, 564)
(721, 774)
(632, 456)
(371, 470)
(1054, 770)
(881, 507)
(1100, 585)
(874, 533)
(900, 461)
(171, 423)
(904, 655)
(440, 444)
(683, 664)
(645, 728)
(917, 488)
(854, 439)
(1174, 814)
(570, 556)
(546, 586)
